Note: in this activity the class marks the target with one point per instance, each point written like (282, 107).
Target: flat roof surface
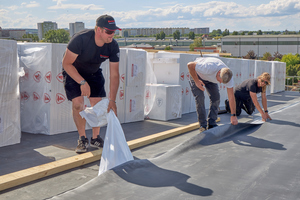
(228, 162)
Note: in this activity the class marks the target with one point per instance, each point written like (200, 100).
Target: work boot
(82, 146)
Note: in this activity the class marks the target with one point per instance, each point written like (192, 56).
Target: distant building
(75, 27)
(240, 45)
(200, 30)
(12, 33)
(32, 31)
(153, 31)
(45, 27)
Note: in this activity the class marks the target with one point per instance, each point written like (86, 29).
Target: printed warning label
(60, 77)
(60, 98)
(48, 77)
(37, 76)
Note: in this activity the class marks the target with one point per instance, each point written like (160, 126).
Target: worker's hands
(85, 90)
(265, 116)
(112, 106)
(200, 84)
(234, 120)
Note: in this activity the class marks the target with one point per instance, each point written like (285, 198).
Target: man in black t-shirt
(246, 96)
(83, 76)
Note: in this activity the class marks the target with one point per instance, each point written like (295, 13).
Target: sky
(238, 15)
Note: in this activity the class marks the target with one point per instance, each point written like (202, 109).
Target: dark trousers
(247, 105)
(212, 90)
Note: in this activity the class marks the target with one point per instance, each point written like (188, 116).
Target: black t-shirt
(90, 56)
(243, 90)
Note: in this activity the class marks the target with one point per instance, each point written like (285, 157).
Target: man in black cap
(83, 76)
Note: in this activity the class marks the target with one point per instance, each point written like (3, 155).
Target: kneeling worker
(206, 73)
(246, 96)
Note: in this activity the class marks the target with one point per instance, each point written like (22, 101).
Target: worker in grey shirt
(206, 73)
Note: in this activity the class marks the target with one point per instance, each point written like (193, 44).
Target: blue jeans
(212, 90)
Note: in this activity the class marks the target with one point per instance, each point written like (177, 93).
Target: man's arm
(232, 105)
(67, 64)
(114, 85)
(194, 75)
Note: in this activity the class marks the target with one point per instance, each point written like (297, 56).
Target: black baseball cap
(107, 21)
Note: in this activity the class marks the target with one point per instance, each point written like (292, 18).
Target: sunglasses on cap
(109, 32)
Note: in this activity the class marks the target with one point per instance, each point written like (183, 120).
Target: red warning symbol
(47, 98)
(60, 77)
(187, 91)
(60, 98)
(24, 96)
(121, 94)
(182, 76)
(35, 96)
(48, 77)
(123, 78)
(37, 76)
(188, 76)
(148, 94)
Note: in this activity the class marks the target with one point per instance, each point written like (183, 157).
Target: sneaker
(98, 142)
(82, 146)
(227, 107)
(201, 129)
(211, 126)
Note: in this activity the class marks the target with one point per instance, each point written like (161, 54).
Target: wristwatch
(233, 115)
(266, 111)
(82, 82)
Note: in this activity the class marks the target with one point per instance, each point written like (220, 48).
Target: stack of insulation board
(130, 97)
(10, 132)
(44, 106)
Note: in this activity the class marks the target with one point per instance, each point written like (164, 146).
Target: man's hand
(234, 120)
(200, 84)
(112, 106)
(85, 90)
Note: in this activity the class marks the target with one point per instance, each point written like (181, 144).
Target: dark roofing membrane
(247, 161)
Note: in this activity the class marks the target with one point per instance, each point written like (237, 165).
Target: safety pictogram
(24, 96)
(122, 78)
(121, 94)
(60, 77)
(182, 76)
(35, 96)
(187, 90)
(48, 77)
(47, 98)
(148, 94)
(60, 98)
(37, 76)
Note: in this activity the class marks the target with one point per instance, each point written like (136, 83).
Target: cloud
(32, 4)
(13, 7)
(60, 5)
(213, 9)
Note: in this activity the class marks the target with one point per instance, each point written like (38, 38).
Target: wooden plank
(34, 173)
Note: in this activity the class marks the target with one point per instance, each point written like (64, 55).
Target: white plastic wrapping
(168, 102)
(115, 150)
(44, 105)
(96, 116)
(10, 131)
